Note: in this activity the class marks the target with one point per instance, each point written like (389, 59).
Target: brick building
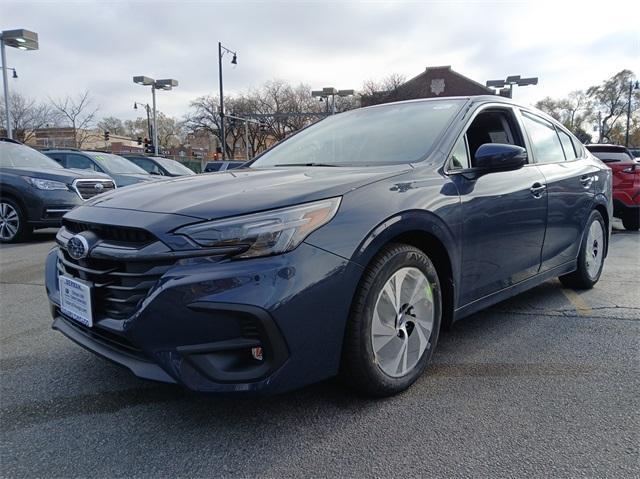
(433, 82)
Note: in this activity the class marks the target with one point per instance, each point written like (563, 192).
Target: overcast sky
(99, 46)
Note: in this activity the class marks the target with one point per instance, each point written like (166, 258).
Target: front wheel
(591, 255)
(394, 324)
(13, 222)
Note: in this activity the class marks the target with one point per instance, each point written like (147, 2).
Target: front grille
(123, 234)
(118, 287)
(90, 188)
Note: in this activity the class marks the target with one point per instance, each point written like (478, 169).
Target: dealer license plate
(75, 300)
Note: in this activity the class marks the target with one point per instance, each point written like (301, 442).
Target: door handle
(586, 180)
(537, 189)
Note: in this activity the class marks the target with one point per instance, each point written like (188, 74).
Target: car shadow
(178, 406)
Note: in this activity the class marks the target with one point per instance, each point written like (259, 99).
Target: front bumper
(197, 325)
(45, 208)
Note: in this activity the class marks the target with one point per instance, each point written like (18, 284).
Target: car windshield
(174, 167)
(116, 164)
(382, 135)
(13, 155)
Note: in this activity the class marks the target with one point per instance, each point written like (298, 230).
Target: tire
(591, 255)
(631, 220)
(370, 361)
(13, 222)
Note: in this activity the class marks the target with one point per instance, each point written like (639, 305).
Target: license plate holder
(75, 300)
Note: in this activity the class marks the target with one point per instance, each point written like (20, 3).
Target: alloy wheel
(402, 321)
(595, 249)
(9, 222)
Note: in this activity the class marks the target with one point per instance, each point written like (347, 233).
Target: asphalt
(543, 385)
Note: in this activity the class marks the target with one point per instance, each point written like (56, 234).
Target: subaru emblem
(78, 247)
(99, 186)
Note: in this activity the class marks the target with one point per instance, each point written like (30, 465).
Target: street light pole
(221, 51)
(222, 132)
(155, 122)
(166, 84)
(22, 40)
(5, 82)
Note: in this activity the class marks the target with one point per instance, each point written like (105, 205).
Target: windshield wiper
(305, 164)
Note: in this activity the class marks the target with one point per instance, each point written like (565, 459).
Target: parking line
(576, 300)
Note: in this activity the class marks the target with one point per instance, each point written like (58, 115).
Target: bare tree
(79, 114)
(113, 125)
(27, 116)
(610, 100)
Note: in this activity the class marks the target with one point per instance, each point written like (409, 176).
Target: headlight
(42, 184)
(267, 233)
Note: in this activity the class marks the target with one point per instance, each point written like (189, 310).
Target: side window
(544, 139)
(58, 157)
(492, 126)
(79, 162)
(146, 165)
(567, 146)
(213, 167)
(459, 156)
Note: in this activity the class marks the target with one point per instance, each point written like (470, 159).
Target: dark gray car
(35, 191)
(122, 171)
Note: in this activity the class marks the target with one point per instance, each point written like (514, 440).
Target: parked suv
(121, 170)
(342, 250)
(626, 182)
(35, 191)
(156, 165)
(213, 166)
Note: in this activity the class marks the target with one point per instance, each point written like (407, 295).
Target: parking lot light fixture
(505, 87)
(166, 84)
(22, 40)
(330, 92)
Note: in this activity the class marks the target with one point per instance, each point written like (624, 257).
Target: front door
(504, 213)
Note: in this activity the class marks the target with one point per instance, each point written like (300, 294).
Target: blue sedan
(344, 250)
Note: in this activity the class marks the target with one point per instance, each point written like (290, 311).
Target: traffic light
(263, 126)
(139, 140)
(106, 136)
(148, 146)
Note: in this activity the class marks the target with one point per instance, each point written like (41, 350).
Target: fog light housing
(257, 353)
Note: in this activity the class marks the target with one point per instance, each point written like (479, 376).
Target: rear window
(611, 156)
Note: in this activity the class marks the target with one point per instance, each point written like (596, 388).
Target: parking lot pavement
(543, 385)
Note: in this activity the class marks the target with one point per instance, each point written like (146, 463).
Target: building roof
(439, 81)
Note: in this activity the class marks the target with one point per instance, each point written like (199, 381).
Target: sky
(100, 46)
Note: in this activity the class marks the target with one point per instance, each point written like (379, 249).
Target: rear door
(570, 184)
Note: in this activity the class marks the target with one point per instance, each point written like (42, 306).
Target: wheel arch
(431, 235)
(9, 193)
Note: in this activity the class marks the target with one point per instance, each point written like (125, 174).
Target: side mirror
(498, 156)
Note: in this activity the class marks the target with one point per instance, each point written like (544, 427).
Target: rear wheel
(631, 220)
(394, 324)
(591, 255)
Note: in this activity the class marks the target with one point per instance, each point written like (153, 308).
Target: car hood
(229, 193)
(56, 174)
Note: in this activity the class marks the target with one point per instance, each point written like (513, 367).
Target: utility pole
(631, 88)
